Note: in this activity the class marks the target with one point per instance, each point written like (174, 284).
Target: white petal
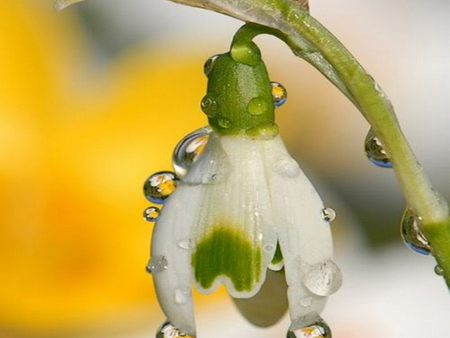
(212, 166)
(237, 207)
(304, 236)
(171, 241)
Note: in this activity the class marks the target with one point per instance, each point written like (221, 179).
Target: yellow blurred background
(93, 100)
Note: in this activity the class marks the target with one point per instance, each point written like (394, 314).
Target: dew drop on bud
(189, 149)
(159, 186)
(411, 234)
(167, 330)
(328, 214)
(279, 94)
(258, 106)
(319, 329)
(375, 152)
(151, 214)
(224, 123)
(209, 64)
(208, 105)
(322, 279)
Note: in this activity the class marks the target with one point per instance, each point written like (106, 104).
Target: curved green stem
(319, 47)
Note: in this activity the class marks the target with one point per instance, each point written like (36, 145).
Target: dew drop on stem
(411, 234)
(375, 152)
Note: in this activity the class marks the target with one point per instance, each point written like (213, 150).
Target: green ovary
(227, 252)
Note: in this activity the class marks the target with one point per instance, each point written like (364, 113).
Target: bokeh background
(93, 100)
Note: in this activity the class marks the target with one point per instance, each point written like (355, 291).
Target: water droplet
(328, 214)
(438, 270)
(306, 301)
(181, 296)
(208, 105)
(319, 329)
(157, 264)
(167, 330)
(322, 279)
(209, 64)
(224, 123)
(159, 186)
(185, 244)
(287, 167)
(269, 248)
(279, 94)
(151, 214)
(411, 234)
(375, 152)
(189, 149)
(258, 106)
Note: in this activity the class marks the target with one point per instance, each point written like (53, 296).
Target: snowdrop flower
(243, 210)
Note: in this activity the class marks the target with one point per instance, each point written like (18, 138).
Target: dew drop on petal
(184, 244)
(375, 152)
(411, 234)
(319, 329)
(328, 214)
(181, 296)
(306, 301)
(269, 248)
(286, 167)
(209, 64)
(151, 214)
(157, 264)
(167, 330)
(279, 94)
(322, 279)
(159, 186)
(438, 270)
(189, 149)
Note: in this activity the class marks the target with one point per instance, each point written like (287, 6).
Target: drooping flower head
(243, 213)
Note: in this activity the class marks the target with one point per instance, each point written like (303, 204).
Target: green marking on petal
(278, 257)
(226, 251)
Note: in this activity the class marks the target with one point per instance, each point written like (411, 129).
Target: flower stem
(313, 42)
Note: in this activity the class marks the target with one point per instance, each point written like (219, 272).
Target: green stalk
(319, 47)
